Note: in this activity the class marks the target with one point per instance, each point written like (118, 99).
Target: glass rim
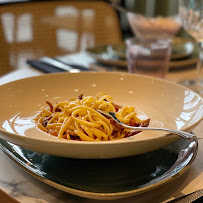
(138, 41)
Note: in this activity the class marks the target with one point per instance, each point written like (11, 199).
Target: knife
(62, 65)
(51, 65)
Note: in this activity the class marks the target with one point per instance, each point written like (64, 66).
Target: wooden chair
(31, 30)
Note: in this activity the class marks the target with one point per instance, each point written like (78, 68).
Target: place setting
(184, 53)
(165, 156)
(106, 123)
(108, 179)
(184, 49)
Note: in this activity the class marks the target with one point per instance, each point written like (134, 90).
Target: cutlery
(189, 198)
(91, 67)
(125, 11)
(112, 115)
(117, 7)
(46, 68)
(70, 68)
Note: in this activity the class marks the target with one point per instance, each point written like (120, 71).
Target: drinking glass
(148, 57)
(153, 23)
(191, 13)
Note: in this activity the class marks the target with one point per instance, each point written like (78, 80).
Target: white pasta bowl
(167, 105)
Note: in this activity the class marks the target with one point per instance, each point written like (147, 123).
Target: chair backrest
(49, 28)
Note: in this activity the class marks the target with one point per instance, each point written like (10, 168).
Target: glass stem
(200, 65)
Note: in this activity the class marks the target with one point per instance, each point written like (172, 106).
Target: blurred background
(32, 29)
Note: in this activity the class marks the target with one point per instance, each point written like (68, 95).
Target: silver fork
(112, 115)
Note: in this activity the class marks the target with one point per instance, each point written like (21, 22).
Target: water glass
(191, 13)
(148, 57)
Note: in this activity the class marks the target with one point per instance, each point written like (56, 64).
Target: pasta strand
(78, 119)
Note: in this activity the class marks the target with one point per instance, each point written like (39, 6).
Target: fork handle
(183, 134)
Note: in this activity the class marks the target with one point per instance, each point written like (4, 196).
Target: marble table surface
(26, 188)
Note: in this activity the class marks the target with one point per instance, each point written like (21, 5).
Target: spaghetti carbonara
(78, 119)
